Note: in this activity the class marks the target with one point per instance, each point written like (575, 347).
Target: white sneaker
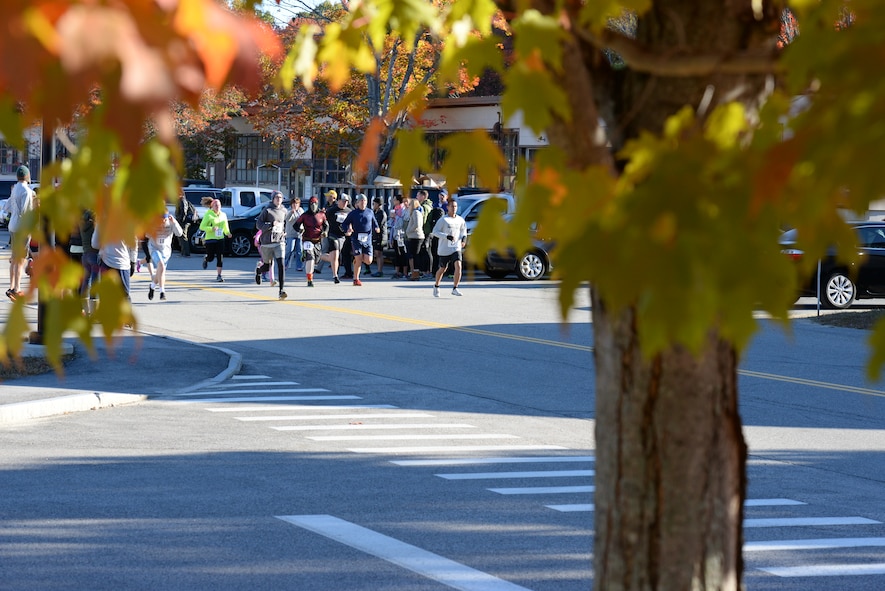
(436, 291)
(456, 292)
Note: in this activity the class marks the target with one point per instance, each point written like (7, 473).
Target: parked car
(470, 206)
(842, 282)
(529, 266)
(242, 232)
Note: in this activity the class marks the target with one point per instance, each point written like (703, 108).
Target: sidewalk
(137, 366)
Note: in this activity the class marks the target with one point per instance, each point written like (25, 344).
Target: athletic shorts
(269, 252)
(445, 260)
(360, 248)
(158, 256)
(334, 243)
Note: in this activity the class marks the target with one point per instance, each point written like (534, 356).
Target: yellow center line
(815, 383)
(502, 335)
(392, 318)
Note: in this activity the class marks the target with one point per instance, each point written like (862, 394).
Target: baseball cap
(361, 197)
(22, 172)
(314, 200)
(344, 196)
(331, 193)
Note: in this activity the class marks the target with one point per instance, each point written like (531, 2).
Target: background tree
(679, 206)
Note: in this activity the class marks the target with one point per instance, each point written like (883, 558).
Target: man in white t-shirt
(21, 201)
(451, 229)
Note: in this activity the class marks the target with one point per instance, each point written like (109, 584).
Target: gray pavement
(134, 367)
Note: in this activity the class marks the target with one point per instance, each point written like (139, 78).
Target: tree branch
(640, 59)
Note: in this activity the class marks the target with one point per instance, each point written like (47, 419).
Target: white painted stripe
(254, 391)
(256, 384)
(826, 570)
(452, 448)
(818, 544)
(808, 521)
(370, 427)
(538, 474)
(748, 503)
(771, 502)
(252, 377)
(269, 399)
(577, 508)
(389, 415)
(543, 490)
(501, 460)
(409, 437)
(291, 407)
(433, 566)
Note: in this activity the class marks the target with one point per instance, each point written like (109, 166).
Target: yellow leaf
(726, 124)
(471, 150)
(410, 154)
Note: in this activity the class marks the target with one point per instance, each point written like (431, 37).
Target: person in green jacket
(214, 224)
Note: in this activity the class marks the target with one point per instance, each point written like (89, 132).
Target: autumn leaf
(473, 150)
(410, 155)
(369, 148)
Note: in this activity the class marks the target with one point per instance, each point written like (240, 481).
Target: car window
(247, 198)
(253, 211)
(872, 237)
(225, 198)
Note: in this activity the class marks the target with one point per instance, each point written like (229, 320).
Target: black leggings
(281, 270)
(215, 248)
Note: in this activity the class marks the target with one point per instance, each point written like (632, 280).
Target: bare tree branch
(639, 58)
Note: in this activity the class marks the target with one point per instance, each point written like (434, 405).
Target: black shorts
(445, 260)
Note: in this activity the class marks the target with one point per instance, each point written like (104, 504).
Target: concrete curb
(34, 409)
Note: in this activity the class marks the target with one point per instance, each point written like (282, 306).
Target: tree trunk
(671, 459)
(670, 463)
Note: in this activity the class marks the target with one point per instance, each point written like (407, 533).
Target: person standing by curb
(21, 201)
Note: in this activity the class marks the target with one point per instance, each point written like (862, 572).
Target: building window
(330, 165)
(507, 139)
(254, 151)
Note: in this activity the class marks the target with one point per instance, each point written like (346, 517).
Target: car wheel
(838, 291)
(240, 244)
(531, 266)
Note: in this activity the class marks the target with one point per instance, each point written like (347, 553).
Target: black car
(530, 265)
(842, 282)
(242, 232)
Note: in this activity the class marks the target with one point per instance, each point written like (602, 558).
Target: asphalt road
(378, 438)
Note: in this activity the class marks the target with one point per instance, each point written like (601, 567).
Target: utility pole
(47, 155)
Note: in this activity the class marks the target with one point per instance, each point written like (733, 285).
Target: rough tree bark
(671, 458)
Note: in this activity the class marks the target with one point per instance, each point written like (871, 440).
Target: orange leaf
(369, 148)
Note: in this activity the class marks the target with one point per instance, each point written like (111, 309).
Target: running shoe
(336, 279)
(283, 295)
(456, 292)
(219, 279)
(257, 275)
(162, 296)
(205, 263)
(151, 292)
(357, 282)
(436, 291)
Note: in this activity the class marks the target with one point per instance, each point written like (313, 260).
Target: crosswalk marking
(404, 415)
(261, 384)
(433, 566)
(543, 490)
(771, 502)
(808, 521)
(370, 427)
(537, 474)
(826, 570)
(268, 398)
(255, 391)
(409, 437)
(583, 507)
(815, 544)
(501, 460)
(452, 448)
(575, 508)
(248, 377)
(290, 407)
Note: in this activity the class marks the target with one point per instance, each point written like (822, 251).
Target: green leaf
(537, 34)
(411, 154)
(476, 55)
(471, 150)
(11, 122)
(479, 12)
(597, 13)
(726, 124)
(532, 92)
